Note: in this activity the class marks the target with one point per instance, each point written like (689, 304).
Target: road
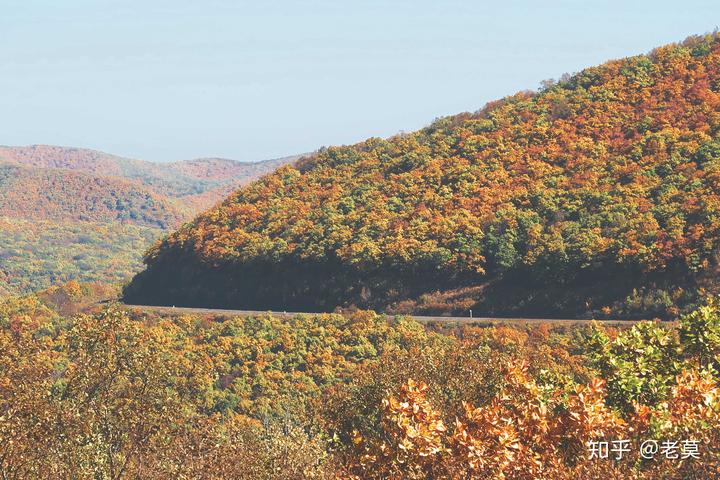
(420, 318)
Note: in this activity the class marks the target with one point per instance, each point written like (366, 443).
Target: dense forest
(102, 392)
(75, 214)
(55, 194)
(596, 196)
(37, 254)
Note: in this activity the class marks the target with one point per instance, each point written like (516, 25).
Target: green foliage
(700, 333)
(37, 254)
(640, 364)
(80, 214)
(260, 360)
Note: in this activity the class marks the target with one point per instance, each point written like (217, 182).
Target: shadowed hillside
(597, 195)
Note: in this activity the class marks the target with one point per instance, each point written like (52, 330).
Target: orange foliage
(523, 434)
(599, 193)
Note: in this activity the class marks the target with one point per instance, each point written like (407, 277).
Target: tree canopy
(599, 193)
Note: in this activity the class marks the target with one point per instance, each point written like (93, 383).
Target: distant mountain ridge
(175, 179)
(213, 168)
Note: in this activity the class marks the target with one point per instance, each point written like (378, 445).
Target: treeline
(597, 196)
(106, 393)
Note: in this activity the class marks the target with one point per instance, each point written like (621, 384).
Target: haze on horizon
(176, 79)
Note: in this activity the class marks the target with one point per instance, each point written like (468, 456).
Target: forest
(35, 255)
(77, 214)
(68, 196)
(595, 197)
(92, 391)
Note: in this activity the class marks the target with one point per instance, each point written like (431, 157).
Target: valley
(76, 214)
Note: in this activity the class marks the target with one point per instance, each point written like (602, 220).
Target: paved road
(420, 318)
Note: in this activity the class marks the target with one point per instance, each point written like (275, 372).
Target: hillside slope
(222, 169)
(597, 194)
(5, 289)
(66, 195)
(223, 176)
(77, 214)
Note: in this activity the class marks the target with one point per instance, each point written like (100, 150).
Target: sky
(176, 79)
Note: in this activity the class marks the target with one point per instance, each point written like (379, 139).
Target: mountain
(77, 214)
(597, 195)
(188, 178)
(222, 169)
(68, 195)
(49, 156)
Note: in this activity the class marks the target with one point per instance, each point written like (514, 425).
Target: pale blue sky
(175, 79)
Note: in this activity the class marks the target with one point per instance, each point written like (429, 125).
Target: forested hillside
(56, 194)
(75, 214)
(224, 175)
(5, 289)
(597, 195)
